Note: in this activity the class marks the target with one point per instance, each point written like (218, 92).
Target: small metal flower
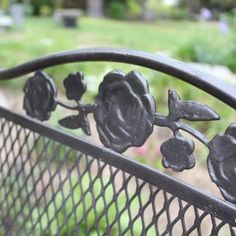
(222, 162)
(124, 112)
(39, 100)
(177, 153)
(75, 86)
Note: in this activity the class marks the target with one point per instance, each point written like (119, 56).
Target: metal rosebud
(125, 110)
(40, 93)
(222, 161)
(75, 86)
(177, 153)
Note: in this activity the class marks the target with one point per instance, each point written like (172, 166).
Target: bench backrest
(54, 183)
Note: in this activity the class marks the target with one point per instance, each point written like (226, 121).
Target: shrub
(229, 59)
(116, 10)
(162, 11)
(39, 6)
(4, 4)
(202, 51)
(134, 9)
(198, 50)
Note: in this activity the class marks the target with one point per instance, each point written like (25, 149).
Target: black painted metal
(172, 188)
(214, 86)
(39, 100)
(125, 114)
(54, 183)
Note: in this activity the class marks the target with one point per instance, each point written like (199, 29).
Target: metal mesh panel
(47, 188)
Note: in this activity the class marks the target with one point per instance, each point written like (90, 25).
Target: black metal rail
(33, 154)
(214, 86)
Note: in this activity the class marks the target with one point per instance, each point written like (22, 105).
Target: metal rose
(125, 110)
(177, 153)
(222, 162)
(75, 86)
(39, 100)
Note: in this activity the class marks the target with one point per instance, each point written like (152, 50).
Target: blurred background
(201, 33)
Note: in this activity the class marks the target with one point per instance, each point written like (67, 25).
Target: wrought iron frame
(221, 90)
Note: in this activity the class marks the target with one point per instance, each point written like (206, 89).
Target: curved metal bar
(214, 86)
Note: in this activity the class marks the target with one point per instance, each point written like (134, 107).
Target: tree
(194, 6)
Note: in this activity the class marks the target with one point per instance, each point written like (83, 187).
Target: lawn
(42, 36)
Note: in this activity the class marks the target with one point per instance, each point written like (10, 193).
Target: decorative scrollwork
(178, 151)
(125, 114)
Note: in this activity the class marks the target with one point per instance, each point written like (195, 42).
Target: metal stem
(201, 137)
(86, 108)
(164, 121)
(68, 106)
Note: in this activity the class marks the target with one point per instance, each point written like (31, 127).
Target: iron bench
(54, 183)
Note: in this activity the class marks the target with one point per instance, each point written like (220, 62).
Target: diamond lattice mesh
(47, 188)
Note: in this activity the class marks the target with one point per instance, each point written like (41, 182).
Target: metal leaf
(189, 110)
(83, 119)
(70, 122)
(76, 122)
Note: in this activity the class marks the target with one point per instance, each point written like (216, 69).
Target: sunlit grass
(43, 36)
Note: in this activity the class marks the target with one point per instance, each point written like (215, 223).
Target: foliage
(134, 9)
(200, 50)
(163, 11)
(229, 56)
(116, 10)
(4, 4)
(124, 9)
(16, 1)
(229, 19)
(216, 6)
(44, 7)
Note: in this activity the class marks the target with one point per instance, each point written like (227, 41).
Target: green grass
(42, 36)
